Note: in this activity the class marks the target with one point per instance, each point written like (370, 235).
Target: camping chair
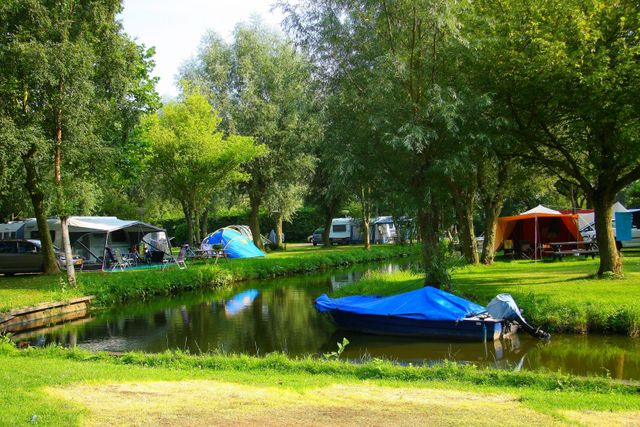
(120, 262)
(525, 249)
(508, 248)
(180, 260)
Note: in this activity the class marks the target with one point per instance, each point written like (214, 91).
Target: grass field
(559, 296)
(141, 285)
(54, 386)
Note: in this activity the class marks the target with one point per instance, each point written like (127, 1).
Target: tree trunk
(603, 210)
(492, 212)
(279, 231)
(492, 199)
(204, 223)
(66, 242)
(328, 218)
(464, 215)
(189, 217)
(196, 226)
(365, 200)
(366, 238)
(68, 255)
(254, 220)
(428, 228)
(32, 184)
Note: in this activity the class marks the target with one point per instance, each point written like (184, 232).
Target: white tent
(541, 210)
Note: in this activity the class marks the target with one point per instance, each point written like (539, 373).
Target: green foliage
(264, 85)
(335, 355)
(191, 157)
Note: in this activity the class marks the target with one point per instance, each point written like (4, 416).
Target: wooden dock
(45, 314)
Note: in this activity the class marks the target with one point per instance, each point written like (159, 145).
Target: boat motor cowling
(504, 307)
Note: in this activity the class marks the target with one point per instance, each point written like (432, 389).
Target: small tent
(234, 243)
(536, 228)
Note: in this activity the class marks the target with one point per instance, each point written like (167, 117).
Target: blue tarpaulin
(624, 222)
(235, 244)
(427, 303)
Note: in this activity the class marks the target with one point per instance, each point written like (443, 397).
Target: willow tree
(567, 71)
(400, 55)
(62, 63)
(263, 84)
(192, 159)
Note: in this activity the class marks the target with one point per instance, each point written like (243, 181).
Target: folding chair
(180, 260)
(120, 263)
(525, 249)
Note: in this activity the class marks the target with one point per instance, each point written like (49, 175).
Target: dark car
(20, 256)
(24, 256)
(316, 238)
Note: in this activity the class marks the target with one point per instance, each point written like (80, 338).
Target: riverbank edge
(114, 288)
(375, 369)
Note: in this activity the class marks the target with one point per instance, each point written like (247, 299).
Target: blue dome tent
(235, 244)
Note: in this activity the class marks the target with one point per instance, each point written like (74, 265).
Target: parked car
(25, 256)
(316, 237)
(589, 234)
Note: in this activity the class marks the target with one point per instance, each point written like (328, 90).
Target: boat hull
(470, 329)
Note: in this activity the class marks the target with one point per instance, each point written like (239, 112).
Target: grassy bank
(141, 285)
(69, 387)
(558, 296)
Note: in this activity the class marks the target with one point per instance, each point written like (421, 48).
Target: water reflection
(279, 315)
(239, 302)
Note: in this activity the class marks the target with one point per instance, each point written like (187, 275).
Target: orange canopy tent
(538, 227)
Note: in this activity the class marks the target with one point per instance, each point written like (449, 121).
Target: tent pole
(535, 246)
(104, 250)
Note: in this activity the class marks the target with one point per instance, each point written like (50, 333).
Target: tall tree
(567, 71)
(399, 55)
(266, 86)
(192, 158)
(64, 63)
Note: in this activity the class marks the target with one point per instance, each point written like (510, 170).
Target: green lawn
(54, 386)
(560, 296)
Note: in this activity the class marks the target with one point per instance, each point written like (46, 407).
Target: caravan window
(8, 248)
(339, 228)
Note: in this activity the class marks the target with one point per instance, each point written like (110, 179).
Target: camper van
(345, 231)
(12, 230)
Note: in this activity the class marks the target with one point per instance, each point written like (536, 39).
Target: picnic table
(559, 250)
(213, 253)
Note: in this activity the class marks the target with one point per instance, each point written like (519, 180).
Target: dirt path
(197, 403)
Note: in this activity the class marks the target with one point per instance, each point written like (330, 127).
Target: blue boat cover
(426, 303)
(235, 244)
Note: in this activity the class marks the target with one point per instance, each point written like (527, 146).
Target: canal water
(278, 315)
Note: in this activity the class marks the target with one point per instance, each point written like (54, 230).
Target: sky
(175, 28)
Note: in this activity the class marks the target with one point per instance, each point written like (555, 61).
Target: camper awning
(108, 224)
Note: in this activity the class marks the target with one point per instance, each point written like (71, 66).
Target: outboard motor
(504, 307)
